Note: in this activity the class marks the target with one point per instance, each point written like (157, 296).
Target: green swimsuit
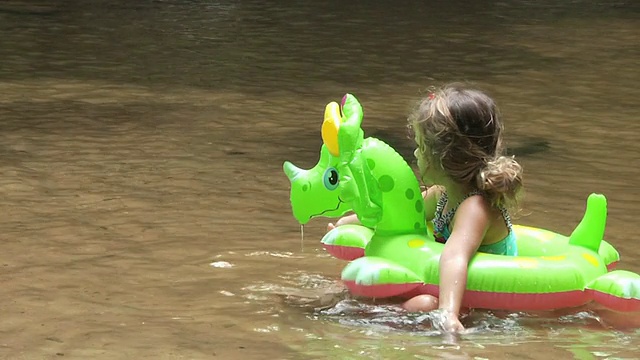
(506, 246)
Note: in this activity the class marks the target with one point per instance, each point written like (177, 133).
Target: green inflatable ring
(393, 252)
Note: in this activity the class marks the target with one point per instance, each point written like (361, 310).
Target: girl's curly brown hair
(460, 130)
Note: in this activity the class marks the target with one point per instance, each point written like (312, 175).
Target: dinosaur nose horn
(291, 170)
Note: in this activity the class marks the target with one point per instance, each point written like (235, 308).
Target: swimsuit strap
(507, 218)
(441, 225)
(441, 220)
(440, 206)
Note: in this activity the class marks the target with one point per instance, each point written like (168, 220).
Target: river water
(144, 211)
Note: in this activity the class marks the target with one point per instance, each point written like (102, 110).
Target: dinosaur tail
(590, 231)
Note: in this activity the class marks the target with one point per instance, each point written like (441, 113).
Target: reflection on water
(145, 214)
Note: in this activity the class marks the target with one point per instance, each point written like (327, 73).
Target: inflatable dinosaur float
(393, 253)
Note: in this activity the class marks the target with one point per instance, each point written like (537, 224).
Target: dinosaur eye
(331, 179)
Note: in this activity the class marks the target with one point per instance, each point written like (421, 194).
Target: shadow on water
(27, 8)
(404, 145)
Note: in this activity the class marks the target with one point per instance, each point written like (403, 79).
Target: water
(145, 213)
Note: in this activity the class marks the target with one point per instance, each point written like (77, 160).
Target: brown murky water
(144, 211)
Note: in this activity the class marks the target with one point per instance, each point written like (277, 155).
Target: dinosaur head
(316, 192)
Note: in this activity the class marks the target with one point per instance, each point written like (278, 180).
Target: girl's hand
(446, 321)
(452, 324)
(349, 219)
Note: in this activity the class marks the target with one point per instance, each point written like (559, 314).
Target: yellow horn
(330, 127)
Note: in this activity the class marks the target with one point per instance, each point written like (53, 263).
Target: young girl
(471, 185)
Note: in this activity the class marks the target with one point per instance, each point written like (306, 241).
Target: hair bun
(501, 177)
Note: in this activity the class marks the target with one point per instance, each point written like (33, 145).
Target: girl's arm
(471, 222)
(347, 219)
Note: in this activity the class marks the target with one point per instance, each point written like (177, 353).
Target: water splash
(277, 254)
(391, 318)
(221, 264)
